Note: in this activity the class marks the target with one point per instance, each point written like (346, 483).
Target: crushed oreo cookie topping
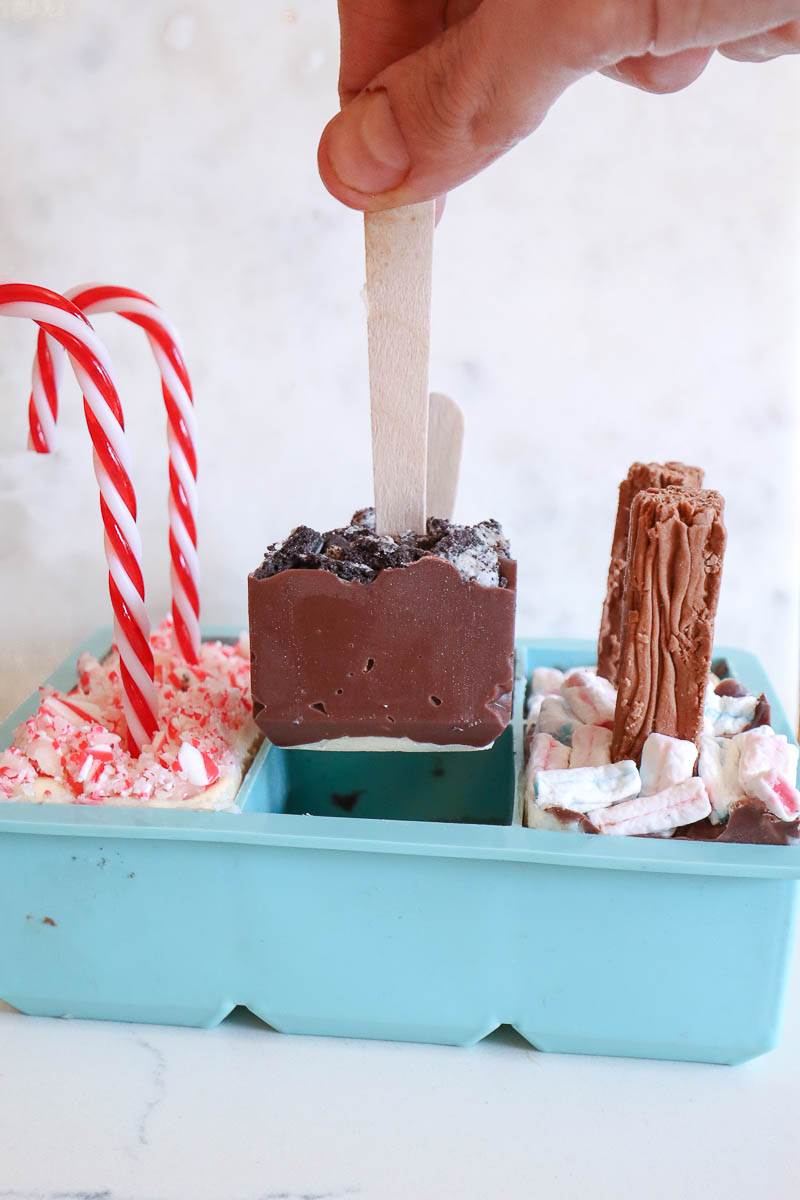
(356, 553)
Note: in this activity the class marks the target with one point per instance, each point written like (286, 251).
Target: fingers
(426, 123)
(783, 40)
(376, 33)
(436, 117)
(661, 73)
(680, 24)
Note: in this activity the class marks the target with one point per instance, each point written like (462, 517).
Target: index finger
(377, 33)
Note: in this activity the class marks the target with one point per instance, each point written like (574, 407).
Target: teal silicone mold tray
(397, 896)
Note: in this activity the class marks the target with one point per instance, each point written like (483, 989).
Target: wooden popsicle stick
(445, 442)
(399, 249)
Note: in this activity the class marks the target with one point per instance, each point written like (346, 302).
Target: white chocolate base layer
(372, 745)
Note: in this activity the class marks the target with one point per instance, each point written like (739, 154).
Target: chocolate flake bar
(671, 587)
(640, 477)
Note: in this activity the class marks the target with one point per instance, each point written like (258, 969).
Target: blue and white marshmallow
(719, 770)
(557, 720)
(582, 789)
(727, 715)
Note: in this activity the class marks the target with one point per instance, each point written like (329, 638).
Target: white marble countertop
(96, 1111)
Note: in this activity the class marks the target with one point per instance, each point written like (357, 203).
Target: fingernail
(365, 146)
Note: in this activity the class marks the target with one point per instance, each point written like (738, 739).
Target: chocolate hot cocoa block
(640, 477)
(672, 580)
(405, 640)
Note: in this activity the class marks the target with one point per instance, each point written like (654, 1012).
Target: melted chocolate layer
(751, 821)
(419, 653)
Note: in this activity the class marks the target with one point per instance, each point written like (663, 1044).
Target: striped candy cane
(165, 343)
(68, 328)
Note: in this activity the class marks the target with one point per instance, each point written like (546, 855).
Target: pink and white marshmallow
(768, 770)
(762, 750)
(591, 746)
(583, 789)
(665, 761)
(589, 697)
(548, 754)
(546, 681)
(719, 770)
(680, 804)
(780, 796)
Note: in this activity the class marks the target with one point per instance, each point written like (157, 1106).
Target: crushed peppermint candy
(73, 749)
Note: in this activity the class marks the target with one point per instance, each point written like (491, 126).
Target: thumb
(440, 115)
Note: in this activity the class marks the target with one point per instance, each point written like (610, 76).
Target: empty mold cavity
(474, 787)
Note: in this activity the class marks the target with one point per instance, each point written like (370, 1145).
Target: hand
(433, 91)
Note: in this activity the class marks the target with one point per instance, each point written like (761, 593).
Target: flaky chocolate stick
(640, 476)
(399, 249)
(676, 545)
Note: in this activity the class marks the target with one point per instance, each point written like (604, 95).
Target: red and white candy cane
(165, 343)
(68, 327)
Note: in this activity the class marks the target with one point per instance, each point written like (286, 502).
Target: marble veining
(308, 1195)
(108, 1195)
(104, 1195)
(157, 1088)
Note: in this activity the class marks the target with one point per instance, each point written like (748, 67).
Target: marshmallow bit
(546, 681)
(548, 754)
(591, 698)
(545, 754)
(561, 819)
(719, 770)
(680, 804)
(534, 708)
(591, 746)
(763, 750)
(726, 716)
(768, 770)
(780, 797)
(556, 719)
(665, 761)
(583, 789)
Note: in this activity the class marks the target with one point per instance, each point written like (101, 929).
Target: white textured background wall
(624, 285)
